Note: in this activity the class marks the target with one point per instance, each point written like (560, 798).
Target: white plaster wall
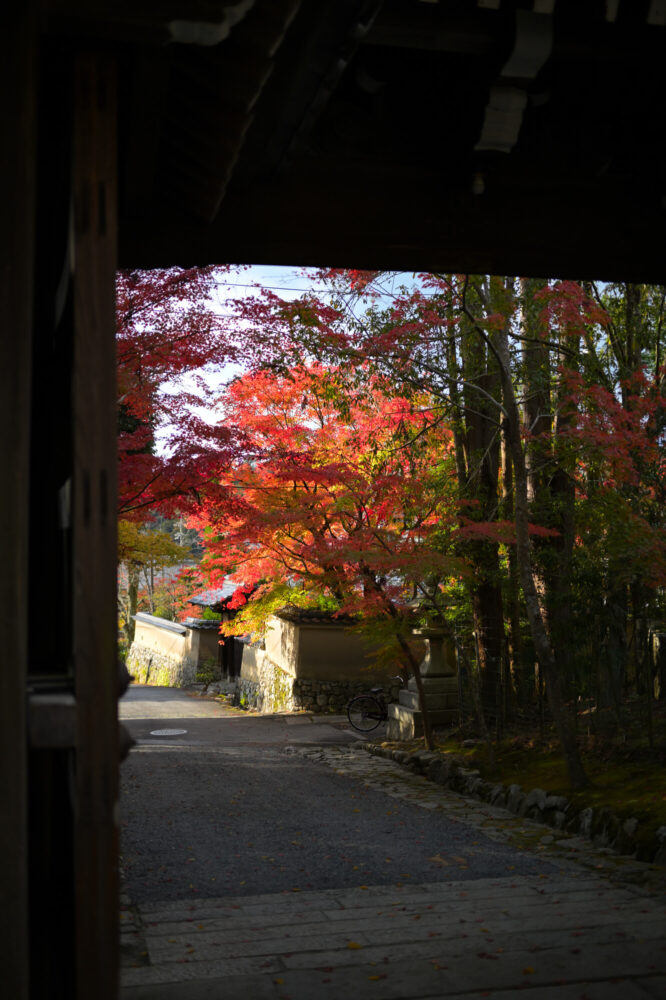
(322, 651)
(179, 646)
(163, 657)
(209, 644)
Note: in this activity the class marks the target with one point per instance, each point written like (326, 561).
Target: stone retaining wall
(332, 696)
(601, 826)
(148, 666)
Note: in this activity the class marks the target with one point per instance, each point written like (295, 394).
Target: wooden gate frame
(94, 527)
(59, 744)
(18, 76)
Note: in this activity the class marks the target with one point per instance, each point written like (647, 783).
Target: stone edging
(601, 826)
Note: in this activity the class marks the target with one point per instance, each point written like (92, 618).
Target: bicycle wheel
(365, 713)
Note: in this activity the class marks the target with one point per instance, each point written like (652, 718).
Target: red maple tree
(343, 492)
(169, 337)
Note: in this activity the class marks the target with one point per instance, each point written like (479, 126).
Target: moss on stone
(629, 788)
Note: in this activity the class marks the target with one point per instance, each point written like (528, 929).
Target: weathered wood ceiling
(499, 135)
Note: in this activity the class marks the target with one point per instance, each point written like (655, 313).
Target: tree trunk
(515, 645)
(482, 449)
(488, 617)
(550, 490)
(612, 662)
(537, 418)
(132, 601)
(476, 693)
(540, 637)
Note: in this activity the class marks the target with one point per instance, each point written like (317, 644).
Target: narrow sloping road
(226, 808)
(271, 848)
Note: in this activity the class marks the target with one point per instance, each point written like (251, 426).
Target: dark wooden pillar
(94, 534)
(18, 87)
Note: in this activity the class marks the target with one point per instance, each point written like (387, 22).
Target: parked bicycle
(367, 711)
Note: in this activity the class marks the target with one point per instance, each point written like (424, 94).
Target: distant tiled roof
(215, 596)
(202, 623)
(314, 616)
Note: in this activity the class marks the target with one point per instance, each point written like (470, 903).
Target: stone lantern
(440, 686)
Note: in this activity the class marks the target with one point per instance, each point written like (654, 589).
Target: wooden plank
(94, 540)
(18, 78)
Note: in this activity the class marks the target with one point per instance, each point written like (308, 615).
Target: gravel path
(244, 820)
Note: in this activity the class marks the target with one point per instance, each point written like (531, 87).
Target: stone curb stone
(601, 826)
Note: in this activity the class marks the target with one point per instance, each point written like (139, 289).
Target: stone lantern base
(440, 686)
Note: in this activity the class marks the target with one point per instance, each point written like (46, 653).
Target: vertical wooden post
(17, 158)
(94, 535)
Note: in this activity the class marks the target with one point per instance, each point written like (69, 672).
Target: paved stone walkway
(594, 931)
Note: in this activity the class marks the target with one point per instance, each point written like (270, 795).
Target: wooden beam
(198, 22)
(94, 533)
(17, 180)
(418, 220)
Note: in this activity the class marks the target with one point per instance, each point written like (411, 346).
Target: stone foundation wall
(267, 687)
(332, 696)
(148, 666)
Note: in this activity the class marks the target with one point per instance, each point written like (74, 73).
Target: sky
(289, 282)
